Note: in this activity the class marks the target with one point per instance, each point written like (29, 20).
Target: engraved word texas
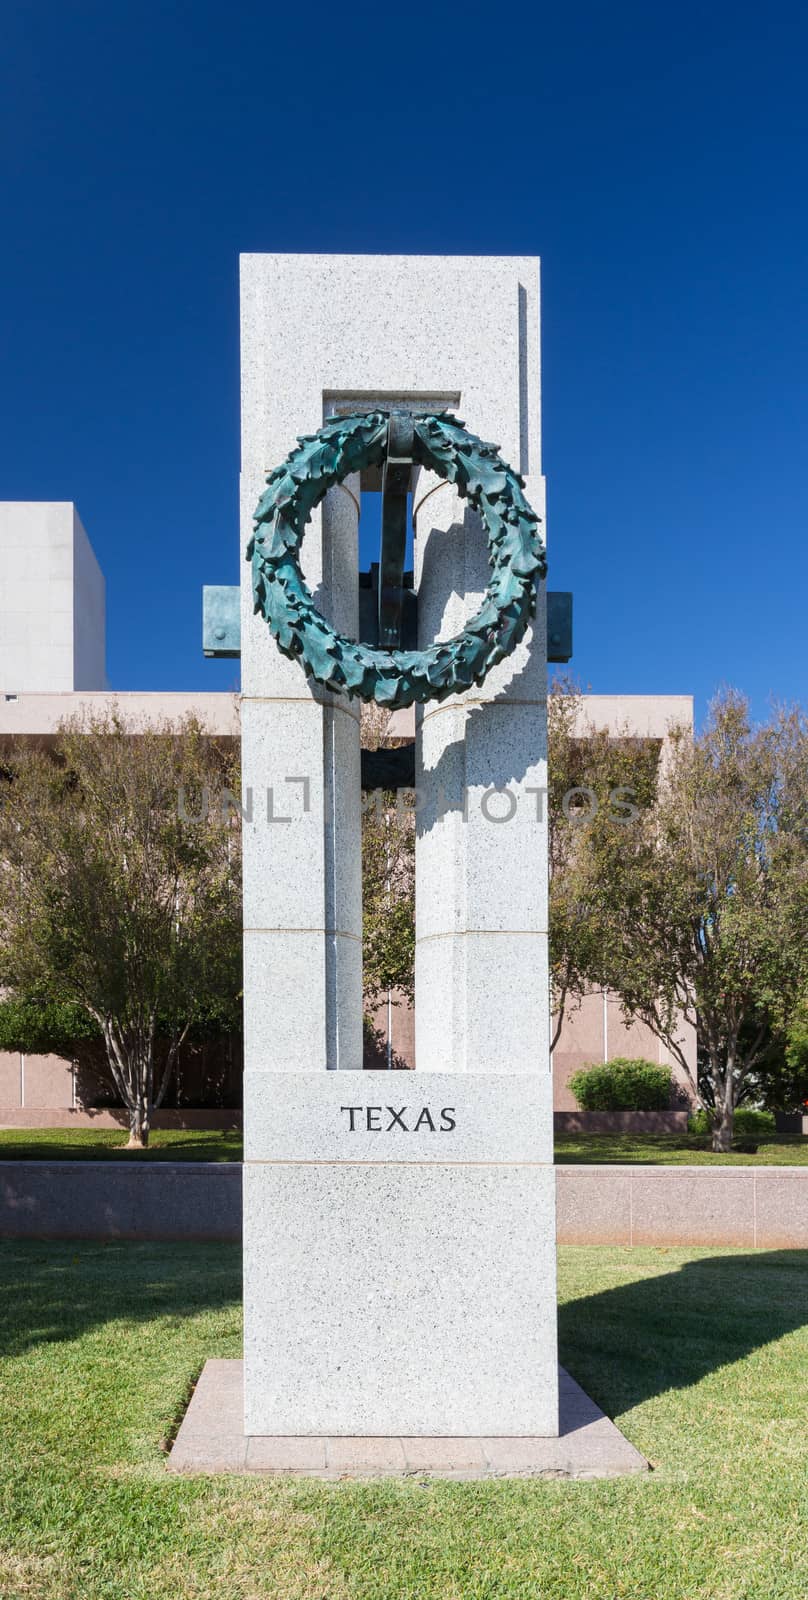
(371, 1119)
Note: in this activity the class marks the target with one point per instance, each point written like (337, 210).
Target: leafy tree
(780, 1077)
(795, 1096)
(592, 773)
(698, 909)
(41, 1027)
(36, 1025)
(120, 893)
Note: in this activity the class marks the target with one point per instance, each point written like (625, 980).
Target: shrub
(747, 1121)
(622, 1085)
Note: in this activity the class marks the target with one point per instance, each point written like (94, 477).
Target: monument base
(211, 1439)
(399, 1260)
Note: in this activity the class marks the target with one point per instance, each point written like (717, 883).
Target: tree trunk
(139, 1123)
(131, 1064)
(724, 1114)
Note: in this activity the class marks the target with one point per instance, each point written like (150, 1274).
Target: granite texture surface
(481, 851)
(663, 1212)
(283, 1033)
(398, 1117)
(284, 846)
(185, 1200)
(594, 1204)
(781, 1209)
(482, 1000)
(394, 1298)
(483, 779)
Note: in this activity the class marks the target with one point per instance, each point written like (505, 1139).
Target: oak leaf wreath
(395, 678)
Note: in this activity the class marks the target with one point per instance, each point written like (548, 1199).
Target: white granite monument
(399, 1229)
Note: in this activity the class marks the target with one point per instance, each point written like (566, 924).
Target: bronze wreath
(395, 677)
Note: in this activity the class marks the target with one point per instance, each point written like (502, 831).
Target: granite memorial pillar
(399, 1228)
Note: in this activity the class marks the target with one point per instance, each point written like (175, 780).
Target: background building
(52, 601)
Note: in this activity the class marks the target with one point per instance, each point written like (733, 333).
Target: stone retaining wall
(752, 1207)
(763, 1207)
(620, 1121)
(120, 1200)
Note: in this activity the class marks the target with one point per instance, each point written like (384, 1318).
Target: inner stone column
(481, 964)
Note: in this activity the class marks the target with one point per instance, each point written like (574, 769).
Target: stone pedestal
(399, 1230)
(212, 1439)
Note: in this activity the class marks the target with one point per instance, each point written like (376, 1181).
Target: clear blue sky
(654, 156)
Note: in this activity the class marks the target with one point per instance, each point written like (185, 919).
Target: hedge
(622, 1085)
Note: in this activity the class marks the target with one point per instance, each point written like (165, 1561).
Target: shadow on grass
(642, 1339)
(624, 1344)
(55, 1292)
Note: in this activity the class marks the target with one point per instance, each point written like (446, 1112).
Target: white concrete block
(481, 826)
(403, 1116)
(284, 1001)
(343, 977)
(291, 1020)
(400, 1299)
(303, 874)
(482, 998)
(342, 783)
(90, 610)
(284, 797)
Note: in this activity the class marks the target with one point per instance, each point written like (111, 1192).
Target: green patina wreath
(395, 677)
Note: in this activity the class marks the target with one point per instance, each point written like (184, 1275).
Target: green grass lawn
(700, 1355)
(101, 1144)
(777, 1150)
